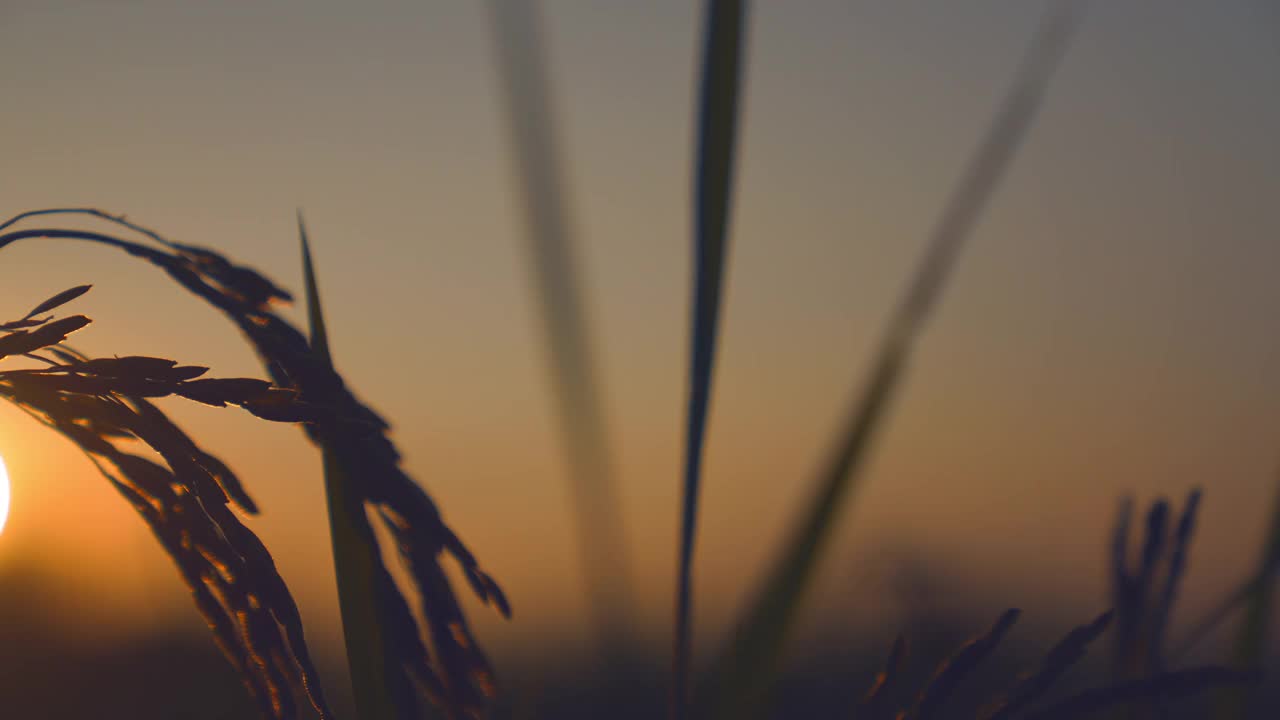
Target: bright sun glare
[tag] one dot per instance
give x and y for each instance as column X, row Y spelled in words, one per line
column 4, row 494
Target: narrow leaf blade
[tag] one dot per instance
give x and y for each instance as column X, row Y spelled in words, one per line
column 355, row 555
column 717, row 136
column 550, row 233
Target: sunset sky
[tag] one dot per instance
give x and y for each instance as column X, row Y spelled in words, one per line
column 1112, row 329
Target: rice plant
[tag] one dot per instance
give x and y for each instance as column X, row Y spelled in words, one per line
column 102, row 405
column 442, row 658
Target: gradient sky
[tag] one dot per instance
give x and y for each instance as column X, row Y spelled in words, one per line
column 1111, row 330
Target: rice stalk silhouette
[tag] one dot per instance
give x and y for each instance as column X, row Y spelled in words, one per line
column 442, row 658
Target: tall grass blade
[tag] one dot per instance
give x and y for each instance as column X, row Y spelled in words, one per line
column 717, row 134
column 746, row 670
column 355, row 555
column 597, row 509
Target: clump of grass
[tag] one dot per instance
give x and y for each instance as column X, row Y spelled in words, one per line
column 454, row 672
column 1144, row 593
column 1033, row 687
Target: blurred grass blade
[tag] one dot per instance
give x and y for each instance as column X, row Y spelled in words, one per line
column 355, row 555
column 745, row 672
column 1177, row 566
column 717, row 133
column 597, row 509
column 1251, row 642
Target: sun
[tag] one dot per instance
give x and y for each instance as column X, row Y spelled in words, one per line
column 4, row 494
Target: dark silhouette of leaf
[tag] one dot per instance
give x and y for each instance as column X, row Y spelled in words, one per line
column 129, row 366
column 722, row 60
column 874, row 705
column 21, row 324
column 1060, row 658
column 952, row 672
column 61, row 298
column 219, row 391
column 21, row 342
column 364, row 586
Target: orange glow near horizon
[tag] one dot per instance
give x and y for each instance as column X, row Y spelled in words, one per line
column 4, row 494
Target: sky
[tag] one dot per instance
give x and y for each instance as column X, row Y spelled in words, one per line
column 1110, row 330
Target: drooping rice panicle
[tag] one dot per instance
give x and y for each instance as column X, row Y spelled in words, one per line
column 185, row 499
column 334, row 418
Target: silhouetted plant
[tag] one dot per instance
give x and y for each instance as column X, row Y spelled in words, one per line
column 1144, row 594
column 1034, row 686
column 456, row 675
column 100, row 405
